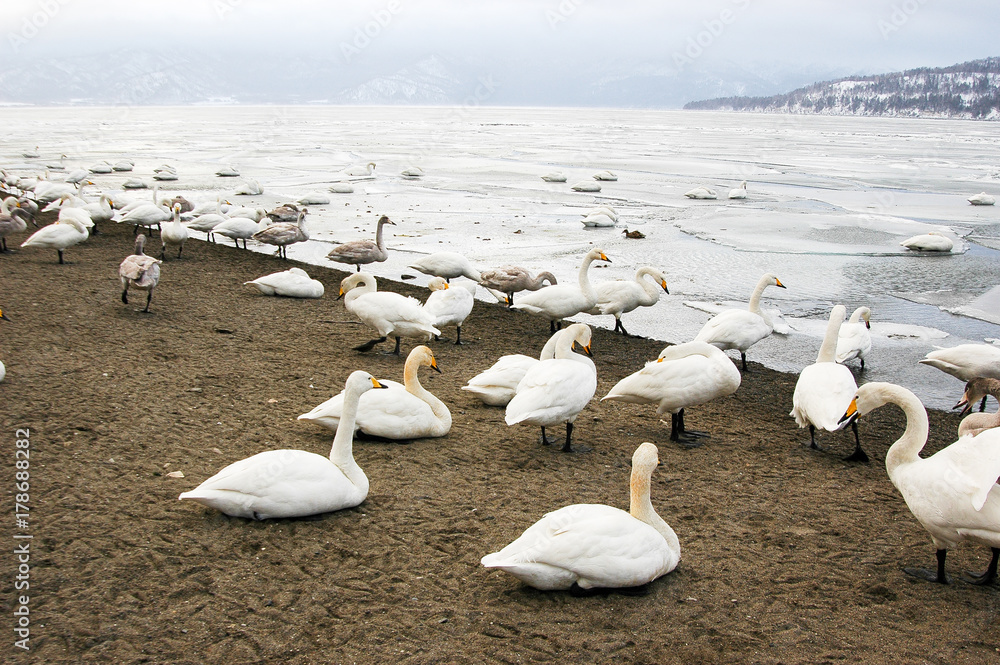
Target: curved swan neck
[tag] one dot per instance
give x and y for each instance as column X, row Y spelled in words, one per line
column 755, row 296
column 906, row 449
column 641, row 508
column 564, row 345
column 651, row 289
column 828, row 350
column 411, row 380
column 584, row 278
column 546, row 276
column 342, row 450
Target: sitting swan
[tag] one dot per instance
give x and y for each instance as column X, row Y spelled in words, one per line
column 561, row 301
column 291, row 283
column 606, row 175
column 450, row 306
column 683, row 375
column 362, row 252
column 389, row 313
column 555, row 176
column 953, row 493
column 294, row 483
column 929, row 242
column 358, row 170
column 982, row 199
column 496, row 386
column 739, row 192
column 825, row 390
column 622, row 296
column 401, row 412
column 556, row 391
column 976, row 390
column 703, row 193
column 741, row 328
column 596, row 546
column 855, row 341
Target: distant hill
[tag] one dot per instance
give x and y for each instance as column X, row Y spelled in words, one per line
column 967, row 90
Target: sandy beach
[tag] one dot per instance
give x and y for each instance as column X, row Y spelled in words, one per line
column 788, row 555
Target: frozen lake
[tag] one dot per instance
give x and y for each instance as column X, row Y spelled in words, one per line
column 829, row 200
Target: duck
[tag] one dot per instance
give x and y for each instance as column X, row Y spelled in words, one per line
column 634, row 235
column 855, row 341
column 555, row 176
column 294, row 483
column 291, row 283
column 606, row 176
column 966, row 361
column 682, row 376
column 622, row 296
column 283, row 235
column 59, row 236
column 739, row 192
column 586, row 187
column 389, row 313
column 12, row 220
column 450, row 306
column 555, row 391
column 825, row 389
column 982, row 199
column 596, row 546
column 561, row 301
column 362, row 252
column 401, row 412
column 975, row 390
column 703, row 193
column 173, row 234
column 140, row 272
column 513, row 279
column 359, row 170
column 929, row 242
column 738, row 328
column 953, row 493
column 446, row 265
column 496, row 386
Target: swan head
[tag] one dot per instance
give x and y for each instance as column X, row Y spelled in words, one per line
column 437, row 284
column 598, row 255
column 869, row 397
column 4, row 316
column 580, row 333
column 772, row 280
column 385, row 220
column 355, row 280
column 975, row 390
column 866, row 315
column 361, row 381
column 424, row 357
column 140, row 242
column 645, row 458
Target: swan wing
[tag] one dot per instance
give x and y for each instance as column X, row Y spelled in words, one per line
column 970, row 466
column 822, row 395
column 734, row 329
column 551, row 392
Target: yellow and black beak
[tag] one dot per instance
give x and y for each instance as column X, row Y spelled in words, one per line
column 4, row 316
column 777, row 282
column 663, row 283
column 586, row 350
column 604, row 257
column 434, row 366
column 376, row 384
column 852, row 413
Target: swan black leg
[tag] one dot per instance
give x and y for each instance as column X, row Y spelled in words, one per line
column 567, row 448
column 862, row 364
column 125, row 296
column 458, row 336
column 858, row 455
column 743, row 356
column 931, row 576
column 370, row 344
column 61, row 262
column 812, row 437
column 680, row 434
column 544, row 439
column 990, row 575
column 982, row 405
column 149, row 298
column 395, row 351
column 552, row 327
column 179, row 250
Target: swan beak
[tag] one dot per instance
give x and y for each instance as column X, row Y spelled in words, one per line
column 964, row 403
column 868, row 324
column 376, row 384
column 852, row 413
column 777, row 282
column 604, row 257
column 663, row 283
column 4, row 316
column 434, row 365
column 446, row 285
column 586, row 350
column 341, row 294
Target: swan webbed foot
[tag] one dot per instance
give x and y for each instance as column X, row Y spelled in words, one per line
column 458, row 336
column 369, row 345
column 989, row 575
column 858, row 455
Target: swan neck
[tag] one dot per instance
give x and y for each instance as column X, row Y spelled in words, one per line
column 651, row 289
column 411, row 380
column 641, row 508
column 755, row 296
column 378, row 236
column 907, row 448
column 584, row 278
column 543, row 277
column 828, row 350
column 342, row 451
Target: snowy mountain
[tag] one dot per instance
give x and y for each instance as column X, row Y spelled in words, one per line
column 967, row 90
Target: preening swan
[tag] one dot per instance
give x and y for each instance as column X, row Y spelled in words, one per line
column 622, row 296
column 228, row 172
column 953, row 493
column 362, row 252
column 294, row 483
column 825, row 390
column 740, row 329
column 596, row 546
column 249, row 187
column 929, row 242
column 446, row 265
column 66, row 232
column 586, row 187
column 496, row 386
column 450, row 305
column 555, row 176
column 412, row 173
column 511, row 279
column 389, row 313
column 605, row 175
column 855, row 341
column 976, row 390
column 701, row 193
column 554, row 391
column 739, row 192
column 401, row 412
column 173, row 234
column 982, row 199
column 683, row 375
column 284, row 235
column 561, row 301
column 598, row 220
column 291, row 283
column 139, row 272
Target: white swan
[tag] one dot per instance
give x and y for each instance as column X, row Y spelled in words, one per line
column 146, row 215
column 586, row 187
column 293, row 483
column 228, row 172
column 741, row 328
column 512, row 279
column 284, row 234
column 982, row 199
column 139, row 272
column 238, row 228
column 124, row 166
column 560, row 301
column 249, row 187
column 825, row 390
column 31, row 154
column 58, row 236
column 135, row 183
column 855, row 341
column 412, row 173
column 450, row 305
column 446, row 265
column 401, row 412
column 598, row 220
column 496, row 386
column 362, row 252
column 389, row 313
column 953, row 493
column 703, row 193
column 314, row 199
column 622, row 296
column 207, row 221
column 291, row 283
column 596, row 546
column 606, row 176
column 683, row 375
column 341, row 188
column 359, row 170
column 976, row 390
column 966, row 361
column 555, row 391
column 929, row 242
column 101, row 168
column 739, row 192
column 173, row 234
column 100, row 210
column 555, row 176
